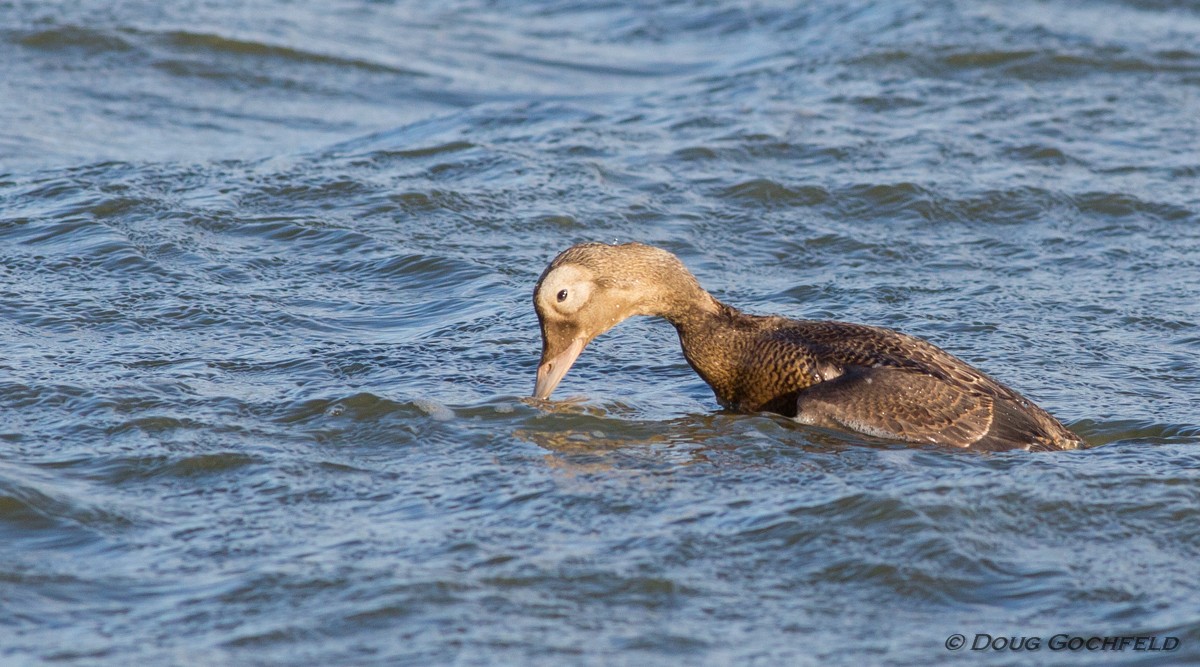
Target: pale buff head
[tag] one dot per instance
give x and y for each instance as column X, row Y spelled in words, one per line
column 591, row 287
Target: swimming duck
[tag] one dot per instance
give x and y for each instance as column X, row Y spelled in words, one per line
column 837, row 375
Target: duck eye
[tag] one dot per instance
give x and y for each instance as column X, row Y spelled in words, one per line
column 562, row 295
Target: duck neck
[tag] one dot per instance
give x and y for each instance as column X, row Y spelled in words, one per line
column 673, row 293
column 707, row 328
column 694, row 311
column 709, row 339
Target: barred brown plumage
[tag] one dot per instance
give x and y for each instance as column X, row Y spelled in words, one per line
column 866, row 379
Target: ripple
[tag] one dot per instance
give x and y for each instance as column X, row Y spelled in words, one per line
column 1042, row 154
column 45, row 515
column 138, row 469
column 384, row 156
column 218, row 44
column 766, row 192
column 362, row 406
column 1104, row 433
column 1121, row 205
column 1032, row 64
column 69, row 37
column 414, row 271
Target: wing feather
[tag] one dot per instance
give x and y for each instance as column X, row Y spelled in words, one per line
column 900, row 404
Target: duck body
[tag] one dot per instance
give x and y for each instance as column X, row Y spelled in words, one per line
column 839, row 375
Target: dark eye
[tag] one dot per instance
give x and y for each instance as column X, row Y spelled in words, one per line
column 562, row 295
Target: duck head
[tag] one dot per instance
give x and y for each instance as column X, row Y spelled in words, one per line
column 591, row 287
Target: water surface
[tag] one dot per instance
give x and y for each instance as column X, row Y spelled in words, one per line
column 265, row 277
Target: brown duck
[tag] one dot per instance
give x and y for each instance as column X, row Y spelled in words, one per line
column 837, row 375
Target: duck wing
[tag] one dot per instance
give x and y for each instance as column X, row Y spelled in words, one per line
column 844, row 344
column 912, row 406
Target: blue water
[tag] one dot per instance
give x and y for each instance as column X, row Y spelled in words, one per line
column 265, row 280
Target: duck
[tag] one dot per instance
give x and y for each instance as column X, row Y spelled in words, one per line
column 848, row 377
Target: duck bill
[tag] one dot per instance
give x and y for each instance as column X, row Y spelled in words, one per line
column 552, row 370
